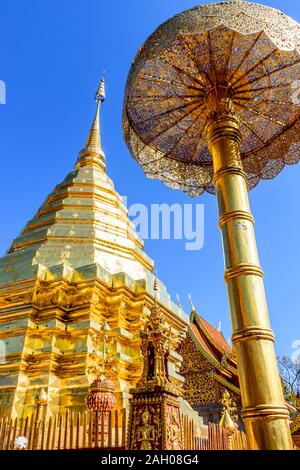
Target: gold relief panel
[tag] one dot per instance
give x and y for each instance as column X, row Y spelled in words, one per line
column 174, row 427
column 199, row 388
column 193, row 360
column 146, row 425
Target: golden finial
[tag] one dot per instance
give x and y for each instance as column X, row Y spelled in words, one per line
column 178, row 301
column 155, row 289
column 229, row 416
column 92, row 153
column 100, row 93
column 191, row 302
column 155, row 283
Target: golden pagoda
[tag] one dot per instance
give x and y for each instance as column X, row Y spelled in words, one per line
column 76, row 288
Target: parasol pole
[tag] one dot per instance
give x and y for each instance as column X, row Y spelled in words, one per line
column 264, row 410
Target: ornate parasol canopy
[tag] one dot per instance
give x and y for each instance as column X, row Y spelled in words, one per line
column 253, row 51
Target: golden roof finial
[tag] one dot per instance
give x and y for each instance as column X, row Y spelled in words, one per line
column 92, row 153
column 178, row 301
column 155, row 290
column 229, row 416
column 191, row 302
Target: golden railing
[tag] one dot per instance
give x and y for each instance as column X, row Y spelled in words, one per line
column 219, row 439
column 192, row 440
column 68, row 431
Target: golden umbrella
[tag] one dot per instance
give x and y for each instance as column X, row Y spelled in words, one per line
column 209, row 106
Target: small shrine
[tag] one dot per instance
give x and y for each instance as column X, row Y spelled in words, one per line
column 155, row 420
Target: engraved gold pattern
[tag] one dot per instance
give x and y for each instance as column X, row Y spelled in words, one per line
column 251, row 48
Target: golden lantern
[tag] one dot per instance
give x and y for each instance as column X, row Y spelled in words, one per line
column 210, row 106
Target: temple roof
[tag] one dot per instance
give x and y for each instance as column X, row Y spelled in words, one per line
column 214, row 335
column 212, row 344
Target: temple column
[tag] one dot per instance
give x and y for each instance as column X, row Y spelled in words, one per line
column 264, row 411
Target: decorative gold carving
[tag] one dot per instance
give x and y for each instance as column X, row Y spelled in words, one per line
column 146, row 428
column 103, row 356
column 146, row 433
column 49, row 293
column 174, row 432
column 219, row 105
column 229, row 417
column 154, row 420
column 153, row 405
column 158, row 339
column 201, row 379
column 198, row 387
column 250, row 47
column 229, row 405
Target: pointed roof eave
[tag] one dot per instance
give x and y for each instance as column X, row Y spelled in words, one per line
column 195, row 335
column 92, row 153
column 213, row 335
column 229, row 373
column 200, row 326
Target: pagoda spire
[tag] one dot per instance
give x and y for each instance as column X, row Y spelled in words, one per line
column 92, row 153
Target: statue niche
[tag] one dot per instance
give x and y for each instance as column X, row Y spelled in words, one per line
column 156, row 343
column 154, row 419
column 150, row 362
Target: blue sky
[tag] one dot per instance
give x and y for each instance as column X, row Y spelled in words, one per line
column 52, row 55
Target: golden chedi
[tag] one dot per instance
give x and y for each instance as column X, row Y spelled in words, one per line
column 77, row 265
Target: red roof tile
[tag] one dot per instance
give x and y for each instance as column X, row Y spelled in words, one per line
column 203, row 343
column 216, row 335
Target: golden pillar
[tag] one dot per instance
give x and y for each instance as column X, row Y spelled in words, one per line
column 264, row 411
